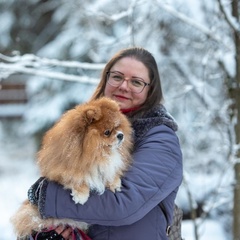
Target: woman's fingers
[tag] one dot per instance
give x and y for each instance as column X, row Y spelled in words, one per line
column 65, row 232
column 59, row 229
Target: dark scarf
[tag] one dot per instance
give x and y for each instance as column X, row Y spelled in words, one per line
column 157, row 115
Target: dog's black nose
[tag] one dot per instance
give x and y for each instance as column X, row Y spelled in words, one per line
column 120, row 136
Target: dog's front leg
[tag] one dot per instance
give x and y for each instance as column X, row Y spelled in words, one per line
column 80, row 194
column 115, row 185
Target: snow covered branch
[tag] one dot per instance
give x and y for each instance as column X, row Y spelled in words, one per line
column 32, row 59
column 194, row 84
column 230, row 19
column 33, row 65
column 116, row 17
column 208, row 32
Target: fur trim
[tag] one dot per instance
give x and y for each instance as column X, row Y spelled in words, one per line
column 155, row 116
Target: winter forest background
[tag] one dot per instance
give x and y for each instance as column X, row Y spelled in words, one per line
column 58, row 49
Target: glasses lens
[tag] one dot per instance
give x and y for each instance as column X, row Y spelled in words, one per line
column 115, row 79
column 136, row 85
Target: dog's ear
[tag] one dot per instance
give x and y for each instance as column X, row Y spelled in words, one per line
column 92, row 115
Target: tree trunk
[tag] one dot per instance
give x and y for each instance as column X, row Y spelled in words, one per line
column 236, row 98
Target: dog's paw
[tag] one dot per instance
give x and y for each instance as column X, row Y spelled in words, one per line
column 118, row 189
column 116, row 185
column 79, row 198
column 115, row 188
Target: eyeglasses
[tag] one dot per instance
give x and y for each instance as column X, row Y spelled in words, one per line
column 135, row 84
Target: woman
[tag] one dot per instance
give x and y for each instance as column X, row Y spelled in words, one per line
column 130, row 78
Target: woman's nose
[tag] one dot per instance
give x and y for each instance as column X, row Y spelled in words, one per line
column 124, row 85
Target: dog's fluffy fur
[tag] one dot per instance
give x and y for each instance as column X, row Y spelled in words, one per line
column 88, row 149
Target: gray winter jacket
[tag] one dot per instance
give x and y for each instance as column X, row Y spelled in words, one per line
column 133, row 213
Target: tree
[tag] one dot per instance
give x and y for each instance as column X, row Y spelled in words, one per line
column 233, row 84
column 234, row 93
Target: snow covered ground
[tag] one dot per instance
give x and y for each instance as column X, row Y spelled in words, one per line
column 18, row 171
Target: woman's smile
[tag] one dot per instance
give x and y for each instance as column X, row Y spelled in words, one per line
column 120, row 97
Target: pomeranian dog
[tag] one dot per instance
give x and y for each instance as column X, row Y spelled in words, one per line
column 89, row 148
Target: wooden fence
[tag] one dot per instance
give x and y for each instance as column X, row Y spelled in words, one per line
column 13, row 99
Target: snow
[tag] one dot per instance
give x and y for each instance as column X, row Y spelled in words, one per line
column 17, row 172
column 5, row 29
column 209, row 230
column 12, row 110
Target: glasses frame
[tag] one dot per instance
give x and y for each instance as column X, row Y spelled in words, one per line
column 140, row 79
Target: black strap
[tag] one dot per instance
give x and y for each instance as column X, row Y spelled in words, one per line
column 168, row 229
column 51, row 235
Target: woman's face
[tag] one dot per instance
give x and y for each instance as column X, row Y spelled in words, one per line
column 126, row 99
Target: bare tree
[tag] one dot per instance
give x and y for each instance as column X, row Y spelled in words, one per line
column 236, row 97
column 234, row 94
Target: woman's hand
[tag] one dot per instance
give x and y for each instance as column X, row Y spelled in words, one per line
column 65, row 232
column 59, row 233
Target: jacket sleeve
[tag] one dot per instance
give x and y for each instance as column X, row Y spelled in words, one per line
column 156, row 172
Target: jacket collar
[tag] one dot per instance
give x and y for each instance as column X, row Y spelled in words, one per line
column 157, row 115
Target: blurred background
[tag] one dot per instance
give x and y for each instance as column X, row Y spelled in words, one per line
column 51, row 56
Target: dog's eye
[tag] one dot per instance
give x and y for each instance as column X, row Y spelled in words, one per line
column 107, row 132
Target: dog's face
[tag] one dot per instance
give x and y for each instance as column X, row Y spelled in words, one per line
column 107, row 128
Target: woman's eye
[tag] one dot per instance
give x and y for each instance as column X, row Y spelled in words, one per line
column 136, row 82
column 117, row 78
column 107, row 132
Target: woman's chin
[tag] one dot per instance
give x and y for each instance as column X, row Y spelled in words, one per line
column 122, row 106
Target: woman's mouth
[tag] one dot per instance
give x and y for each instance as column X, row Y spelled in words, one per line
column 120, row 97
